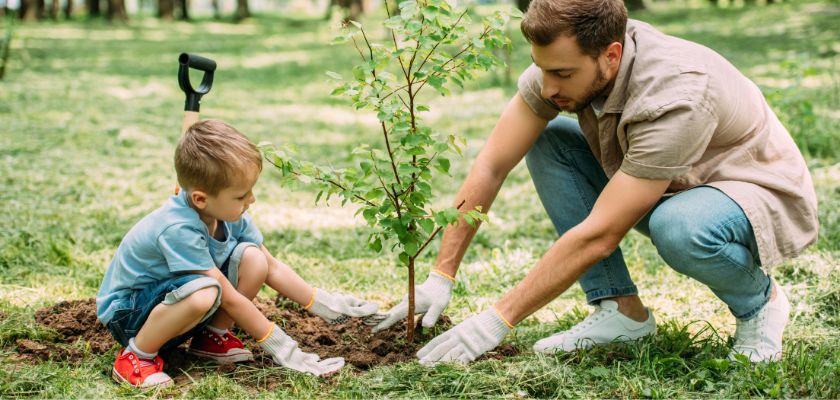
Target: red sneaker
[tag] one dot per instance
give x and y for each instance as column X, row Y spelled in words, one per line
column 139, row 372
column 223, row 349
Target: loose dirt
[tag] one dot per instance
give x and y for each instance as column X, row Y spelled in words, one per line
column 80, row 334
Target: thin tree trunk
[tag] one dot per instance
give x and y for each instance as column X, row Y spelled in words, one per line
column 5, row 48
column 217, row 12
column 54, row 6
column 409, row 322
column 166, row 9
column 94, row 8
column 27, row 10
column 242, row 10
column 68, row 9
column 116, row 10
column 185, row 9
column 41, row 7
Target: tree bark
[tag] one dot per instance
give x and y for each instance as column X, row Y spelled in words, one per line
column 217, row 11
column 409, row 321
column 41, row 8
column 166, row 9
column 28, row 10
column 242, row 10
column 185, row 7
column 68, row 9
column 634, row 5
column 94, row 8
column 116, row 10
column 54, row 6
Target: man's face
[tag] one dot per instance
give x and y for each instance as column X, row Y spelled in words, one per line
column 572, row 79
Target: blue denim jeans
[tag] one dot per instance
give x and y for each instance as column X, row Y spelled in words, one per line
column 135, row 310
column 700, row 232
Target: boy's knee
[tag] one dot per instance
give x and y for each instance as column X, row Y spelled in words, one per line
column 254, row 262
column 201, row 301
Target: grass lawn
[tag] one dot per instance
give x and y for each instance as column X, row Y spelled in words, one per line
column 90, row 114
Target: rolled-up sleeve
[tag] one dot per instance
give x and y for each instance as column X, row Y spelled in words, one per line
column 667, row 145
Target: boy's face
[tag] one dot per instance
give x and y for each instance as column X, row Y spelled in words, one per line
column 231, row 202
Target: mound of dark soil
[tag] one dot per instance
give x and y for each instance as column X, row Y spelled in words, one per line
column 79, row 333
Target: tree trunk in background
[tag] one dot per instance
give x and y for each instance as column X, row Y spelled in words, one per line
column 68, row 9
column 634, row 5
column 27, row 10
column 94, row 9
column 217, row 11
column 54, row 6
column 522, row 5
column 185, row 7
column 116, row 10
column 714, row 3
column 166, row 9
column 242, row 11
column 41, row 9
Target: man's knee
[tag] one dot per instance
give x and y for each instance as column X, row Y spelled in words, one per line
column 680, row 240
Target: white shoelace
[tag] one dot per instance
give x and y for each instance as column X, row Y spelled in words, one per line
column 589, row 321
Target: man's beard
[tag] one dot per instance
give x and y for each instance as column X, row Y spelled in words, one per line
column 595, row 90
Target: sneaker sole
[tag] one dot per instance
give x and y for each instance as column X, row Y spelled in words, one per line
column 223, row 358
column 119, row 378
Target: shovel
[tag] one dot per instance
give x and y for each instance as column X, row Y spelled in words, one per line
column 193, row 100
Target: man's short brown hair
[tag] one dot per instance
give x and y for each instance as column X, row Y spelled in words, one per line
column 212, row 154
column 595, row 24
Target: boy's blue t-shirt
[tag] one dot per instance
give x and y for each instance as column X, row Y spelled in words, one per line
column 171, row 240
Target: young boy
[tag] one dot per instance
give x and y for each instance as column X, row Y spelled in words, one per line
column 191, row 268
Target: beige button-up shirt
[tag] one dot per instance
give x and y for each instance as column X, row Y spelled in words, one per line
column 680, row 111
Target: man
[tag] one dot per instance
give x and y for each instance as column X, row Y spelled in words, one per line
column 670, row 139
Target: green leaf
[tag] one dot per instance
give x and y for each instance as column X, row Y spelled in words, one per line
column 442, row 165
column 422, row 107
column 334, row 75
column 428, row 225
column 403, row 258
column 376, row 245
column 359, row 73
column 337, row 91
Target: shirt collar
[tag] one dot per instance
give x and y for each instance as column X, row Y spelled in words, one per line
column 618, row 94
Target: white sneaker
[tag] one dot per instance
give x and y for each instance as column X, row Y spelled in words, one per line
column 760, row 338
column 604, row 325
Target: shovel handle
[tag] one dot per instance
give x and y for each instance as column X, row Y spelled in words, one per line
column 193, row 95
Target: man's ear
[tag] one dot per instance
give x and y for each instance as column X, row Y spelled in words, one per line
column 198, row 199
column 612, row 54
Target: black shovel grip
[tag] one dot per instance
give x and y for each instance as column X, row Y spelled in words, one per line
column 207, row 65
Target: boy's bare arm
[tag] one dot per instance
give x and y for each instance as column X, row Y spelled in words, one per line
column 243, row 312
column 286, row 281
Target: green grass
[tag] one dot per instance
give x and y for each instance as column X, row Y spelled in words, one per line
column 90, row 112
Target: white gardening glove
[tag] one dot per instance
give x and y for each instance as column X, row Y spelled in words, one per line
column 466, row 341
column 337, row 308
column 430, row 298
column 284, row 350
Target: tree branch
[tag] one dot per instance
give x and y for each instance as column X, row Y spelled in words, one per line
column 330, row 182
column 432, row 236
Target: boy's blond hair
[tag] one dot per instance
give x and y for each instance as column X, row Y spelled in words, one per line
column 212, row 154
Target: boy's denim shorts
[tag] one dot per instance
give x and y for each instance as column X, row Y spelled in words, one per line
column 135, row 309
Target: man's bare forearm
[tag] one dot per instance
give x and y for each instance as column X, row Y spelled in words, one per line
column 555, row 272
column 479, row 190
